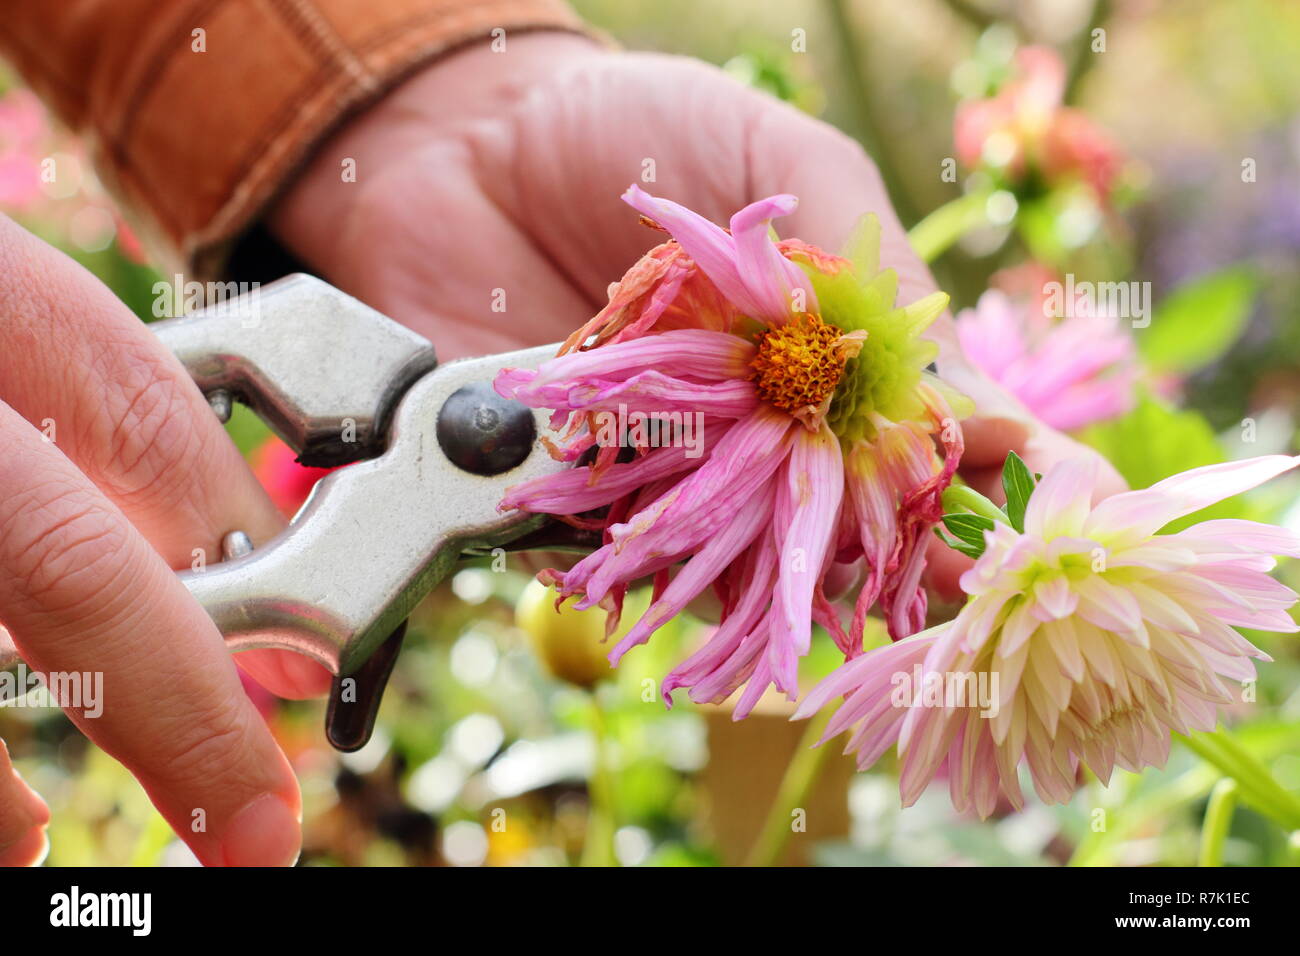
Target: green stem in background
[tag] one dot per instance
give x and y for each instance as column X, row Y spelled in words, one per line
column 1293, row 849
column 972, row 14
column 936, row 233
column 795, row 785
column 958, row 498
column 1081, row 59
column 878, row 142
column 598, row 844
column 1258, row 788
column 1218, row 821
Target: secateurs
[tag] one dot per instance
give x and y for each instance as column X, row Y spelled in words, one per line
column 432, row 449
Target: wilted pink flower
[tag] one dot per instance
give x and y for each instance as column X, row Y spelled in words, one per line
column 818, row 424
column 1095, row 635
column 1024, row 125
column 1069, row 372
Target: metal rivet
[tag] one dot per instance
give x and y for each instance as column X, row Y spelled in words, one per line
column 222, row 404
column 235, row 544
column 484, row 433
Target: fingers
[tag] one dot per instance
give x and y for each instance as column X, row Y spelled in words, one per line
column 85, row 597
column 23, row 818
column 942, row 578
column 837, row 184
column 1046, row 446
column 102, row 388
column 405, row 211
column 435, row 185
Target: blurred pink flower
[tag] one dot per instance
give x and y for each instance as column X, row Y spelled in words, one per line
column 1025, row 126
column 1069, row 372
column 1093, row 637
column 287, row 482
column 24, row 130
column 1076, row 147
column 817, row 445
column 65, row 198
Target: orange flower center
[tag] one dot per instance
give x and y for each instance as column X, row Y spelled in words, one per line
column 799, row 364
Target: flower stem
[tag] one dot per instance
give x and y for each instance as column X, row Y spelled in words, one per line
column 963, row 497
column 881, row 143
column 935, row 234
column 1257, row 786
column 798, row 780
column 1218, row 820
column 598, row 843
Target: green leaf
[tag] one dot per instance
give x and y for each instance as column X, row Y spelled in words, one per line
column 970, row 550
column 1198, row 321
column 1018, row 483
column 969, row 532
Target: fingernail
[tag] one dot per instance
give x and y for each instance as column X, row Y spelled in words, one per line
column 264, row 833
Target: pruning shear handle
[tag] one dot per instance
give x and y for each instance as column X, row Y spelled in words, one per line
column 432, row 451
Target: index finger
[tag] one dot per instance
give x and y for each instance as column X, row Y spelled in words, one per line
column 84, row 595
column 124, row 409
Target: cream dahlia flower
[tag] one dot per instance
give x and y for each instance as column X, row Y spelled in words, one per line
column 1094, row 635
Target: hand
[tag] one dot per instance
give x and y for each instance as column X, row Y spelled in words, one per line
column 129, row 472
column 503, row 171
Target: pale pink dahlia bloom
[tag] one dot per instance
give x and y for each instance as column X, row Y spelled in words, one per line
column 1103, row 637
column 819, row 442
column 1070, row 372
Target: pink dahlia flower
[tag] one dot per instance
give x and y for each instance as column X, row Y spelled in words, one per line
column 818, row 427
column 1069, row 372
column 1093, row 636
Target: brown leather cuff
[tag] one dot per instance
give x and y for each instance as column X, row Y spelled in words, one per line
column 200, row 142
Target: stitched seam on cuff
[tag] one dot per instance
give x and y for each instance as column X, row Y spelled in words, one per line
column 319, row 35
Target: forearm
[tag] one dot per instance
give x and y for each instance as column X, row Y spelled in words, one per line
column 204, row 112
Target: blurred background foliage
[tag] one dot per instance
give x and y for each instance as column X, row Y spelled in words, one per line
column 1172, row 157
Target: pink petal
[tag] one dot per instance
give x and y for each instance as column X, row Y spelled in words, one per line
column 1232, row 535
column 770, row 276
column 751, row 279
column 701, row 570
column 1135, row 515
column 702, row 503
column 572, row 492
column 1061, row 501
column 712, row 356
column 807, row 503
column 715, row 670
column 846, row 678
column 654, row 393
